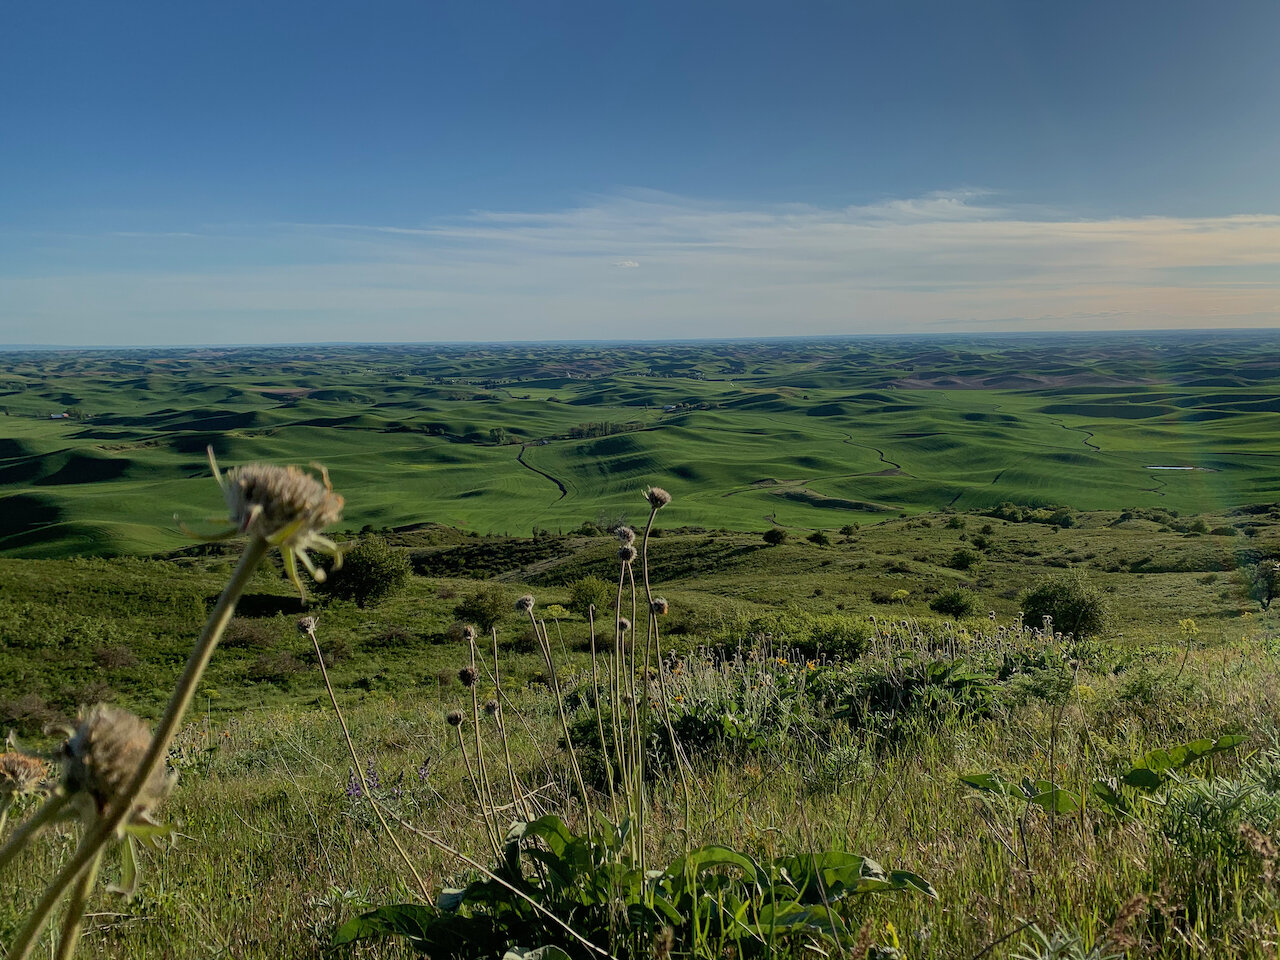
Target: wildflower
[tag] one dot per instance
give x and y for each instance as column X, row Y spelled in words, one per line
column 626, row 553
column 371, row 776
column 659, row 606
column 354, row 790
column 307, row 626
column 468, row 676
column 424, row 770
column 285, row 507
column 525, row 603
column 624, row 624
column 468, row 632
column 490, row 707
column 453, row 718
column 20, row 774
column 657, row 497
column 625, row 535
column 102, row 756
column 812, row 664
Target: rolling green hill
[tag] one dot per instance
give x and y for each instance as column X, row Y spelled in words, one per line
column 804, row 434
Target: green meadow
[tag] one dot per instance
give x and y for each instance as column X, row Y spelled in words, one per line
column 802, row 434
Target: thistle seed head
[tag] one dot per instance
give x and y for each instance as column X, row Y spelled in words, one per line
column 453, row 718
column 624, row 624
column 525, row 603
column 285, row 507
column 625, row 535
column 657, row 497
column 490, row 707
column 468, row 676
column 307, row 626
column 20, row 774
column 468, row 633
column 274, row 501
column 659, row 606
column 103, row 755
column 626, row 553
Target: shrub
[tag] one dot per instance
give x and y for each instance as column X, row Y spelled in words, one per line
column 1262, row 582
column 485, row 608
column 952, row 603
column 370, row 572
column 775, row 536
column 820, row 538
column 1076, row 605
column 590, row 592
column 962, row 559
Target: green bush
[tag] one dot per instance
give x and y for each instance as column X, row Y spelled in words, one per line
column 820, row 538
column 485, row 608
column 775, row 536
column 1076, row 605
column 952, row 603
column 962, row 559
column 371, row 571
column 588, row 592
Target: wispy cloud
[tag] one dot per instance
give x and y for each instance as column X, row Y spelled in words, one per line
column 961, row 260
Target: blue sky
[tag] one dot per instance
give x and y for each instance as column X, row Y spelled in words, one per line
column 267, row 172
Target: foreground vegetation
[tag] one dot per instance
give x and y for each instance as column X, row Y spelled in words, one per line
column 1028, row 793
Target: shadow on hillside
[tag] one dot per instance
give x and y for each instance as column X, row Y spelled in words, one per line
column 266, row 605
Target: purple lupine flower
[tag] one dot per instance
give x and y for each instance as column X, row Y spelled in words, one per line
column 371, row 776
column 354, row 792
column 423, row 771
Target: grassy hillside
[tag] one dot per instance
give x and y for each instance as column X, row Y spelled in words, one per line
column 856, row 710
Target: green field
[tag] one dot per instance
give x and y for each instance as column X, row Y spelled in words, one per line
column 804, row 434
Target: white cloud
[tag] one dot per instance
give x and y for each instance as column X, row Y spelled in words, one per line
column 944, row 261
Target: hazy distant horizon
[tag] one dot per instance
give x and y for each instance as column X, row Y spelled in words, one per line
column 1168, row 332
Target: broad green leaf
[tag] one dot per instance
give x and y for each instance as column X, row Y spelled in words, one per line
column 548, row 952
column 406, row 920
column 994, row 783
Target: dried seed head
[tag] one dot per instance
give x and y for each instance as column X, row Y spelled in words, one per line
column 468, row 632
column 468, row 676
column 659, row 606
column 274, row 501
column 20, row 774
column 624, row 624
column 490, row 707
column 104, row 754
column 453, row 718
column 525, row 603
column 307, row 625
column 626, row 553
column 657, row 497
column 285, row 507
column 625, row 535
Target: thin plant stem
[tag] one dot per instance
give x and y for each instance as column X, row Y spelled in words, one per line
column 595, row 689
column 545, row 643
column 73, row 922
column 359, row 770
column 27, row 830
column 105, row 829
column 662, row 681
column 487, row 803
column 517, row 791
column 475, row 785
